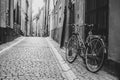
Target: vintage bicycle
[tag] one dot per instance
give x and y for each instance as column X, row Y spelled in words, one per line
column 92, row 50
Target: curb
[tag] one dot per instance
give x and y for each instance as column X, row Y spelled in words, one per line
column 66, row 70
column 7, row 48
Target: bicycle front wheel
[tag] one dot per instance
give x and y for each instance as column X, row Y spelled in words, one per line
column 95, row 54
column 71, row 50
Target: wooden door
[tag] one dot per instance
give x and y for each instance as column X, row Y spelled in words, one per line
column 96, row 12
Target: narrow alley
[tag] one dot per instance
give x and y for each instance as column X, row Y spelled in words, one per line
column 59, row 39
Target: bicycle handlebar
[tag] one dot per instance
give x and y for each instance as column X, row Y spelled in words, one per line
column 89, row 25
column 84, row 25
column 77, row 27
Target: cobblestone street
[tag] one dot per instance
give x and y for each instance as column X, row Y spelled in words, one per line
column 30, row 59
column 33, row 58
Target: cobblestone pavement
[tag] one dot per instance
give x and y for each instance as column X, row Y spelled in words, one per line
column 31, row 59
column 3, row 46
column 78, row 67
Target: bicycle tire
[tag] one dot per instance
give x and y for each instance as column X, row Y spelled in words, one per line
column 70, row 45
column 92, row 56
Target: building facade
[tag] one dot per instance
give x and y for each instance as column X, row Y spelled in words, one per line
column 7, row 18
column 39, row 23
column 6, row 13
column 47, row 17
column 29, row 18
column 51, row 21
column 57, row 19
column 15, row 15
column 26, row 17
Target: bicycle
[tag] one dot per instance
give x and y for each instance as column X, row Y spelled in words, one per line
column 92, row 50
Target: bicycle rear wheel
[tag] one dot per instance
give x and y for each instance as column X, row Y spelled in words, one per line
column 95, row 55
column 71, row 50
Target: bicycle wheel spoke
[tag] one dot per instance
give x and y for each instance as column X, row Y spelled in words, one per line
column 93, row 64
column 98, row 60
column 91, row 61
column 72, row 49
column 95, row 55
column 98, row 46
column 94, row 46
column 89, row 55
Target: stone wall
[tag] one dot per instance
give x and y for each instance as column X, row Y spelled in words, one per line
column 114, row 30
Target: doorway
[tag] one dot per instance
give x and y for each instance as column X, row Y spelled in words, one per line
column 96, row 12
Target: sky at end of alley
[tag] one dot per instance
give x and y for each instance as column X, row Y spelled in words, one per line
column 36, row 5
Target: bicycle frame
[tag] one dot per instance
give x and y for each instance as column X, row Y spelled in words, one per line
column 81, row 43
column 86, row 49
